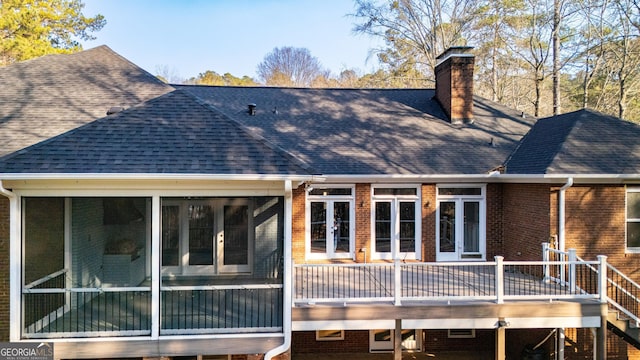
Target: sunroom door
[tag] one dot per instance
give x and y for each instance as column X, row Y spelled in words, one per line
column 234, row 238
column 460, row 232
column 206, row 236
column 188, row 237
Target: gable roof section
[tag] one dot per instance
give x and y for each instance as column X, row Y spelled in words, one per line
column 580, row 142
column 50, row 95
column 372, row 131
column 171, row 134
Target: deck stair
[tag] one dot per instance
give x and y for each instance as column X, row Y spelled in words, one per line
column 623, row 298
column 624, row 327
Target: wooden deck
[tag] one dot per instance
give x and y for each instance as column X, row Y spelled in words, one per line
column 188, row 308
column 443, row 296
column 374, row 283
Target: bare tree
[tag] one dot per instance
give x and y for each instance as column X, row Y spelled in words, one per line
column 416, row 31
column 290, row 66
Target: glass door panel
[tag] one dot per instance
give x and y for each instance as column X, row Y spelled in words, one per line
column 234, row 239
column 318, row 227
column 170, row 235
column 383, row 227
column 447, row 243
column 407, row 226
column 236, row 235
column 471, row 243
column 200, row 235
column 341, row 227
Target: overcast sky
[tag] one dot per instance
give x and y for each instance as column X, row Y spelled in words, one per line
column 189, row 37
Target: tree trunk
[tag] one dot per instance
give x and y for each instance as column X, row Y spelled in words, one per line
column 536, row 102
column 622, row 107
column 556, row 57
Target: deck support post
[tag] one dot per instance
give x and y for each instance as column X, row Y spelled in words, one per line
column 500, row 349
column 560, row 344
column 397, row 283
column 499, row 279
column 397, row 341
column 601, row 332
column 601, row 338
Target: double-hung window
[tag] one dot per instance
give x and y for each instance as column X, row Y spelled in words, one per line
column 633, row 219
column 330, row 222
column 396, row 222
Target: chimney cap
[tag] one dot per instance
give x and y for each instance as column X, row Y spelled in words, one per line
column 455, row 50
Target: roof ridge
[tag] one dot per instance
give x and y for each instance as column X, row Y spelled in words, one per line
column 104, row 47
column 252, row 134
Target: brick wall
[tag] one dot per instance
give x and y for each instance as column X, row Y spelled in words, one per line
column 596, row 223
column 363, row 221
column 438, row 340
column 454, row 87
column 297, row 225
column 4, row 269
column 526, row 220
column 429, row 222
column 494, row 231
column 354, row 342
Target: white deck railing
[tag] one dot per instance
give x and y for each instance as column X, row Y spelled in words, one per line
column 621, row 292
column 400, row 282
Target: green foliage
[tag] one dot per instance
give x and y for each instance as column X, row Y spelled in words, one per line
column 32, row 28
column 213, row 78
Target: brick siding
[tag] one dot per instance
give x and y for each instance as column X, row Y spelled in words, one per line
column 429, row 222
column 526, row 221
column 354, row 342
column 454, row 87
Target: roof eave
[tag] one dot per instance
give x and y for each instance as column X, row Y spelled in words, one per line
column 492, row 177
column 167, row 176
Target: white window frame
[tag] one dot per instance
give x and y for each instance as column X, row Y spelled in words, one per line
column 217, row 267
column 461, row 333
column 327, row 335
column 351, row 199
column 459, row 199
column 630, row 189
column 386, row 346
column 395, row 241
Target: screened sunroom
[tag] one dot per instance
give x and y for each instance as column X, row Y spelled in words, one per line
column 113, row 266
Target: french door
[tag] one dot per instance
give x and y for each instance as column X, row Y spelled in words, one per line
column 206, row 236
column 460, row 233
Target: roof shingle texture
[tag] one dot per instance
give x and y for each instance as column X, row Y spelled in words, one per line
column 579, row 142
column 368, row 131
column 174, row 133
column 47, row 96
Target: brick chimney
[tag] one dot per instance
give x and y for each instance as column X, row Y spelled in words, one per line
column 454, row 83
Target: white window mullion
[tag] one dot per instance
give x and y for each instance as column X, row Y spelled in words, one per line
column 395, row 229
column 330, row 233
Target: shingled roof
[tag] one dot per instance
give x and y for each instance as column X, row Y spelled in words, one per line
column 579, row 142
column 174, row 133
column 367, row 131
column 301, row 131
column 47, row 96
